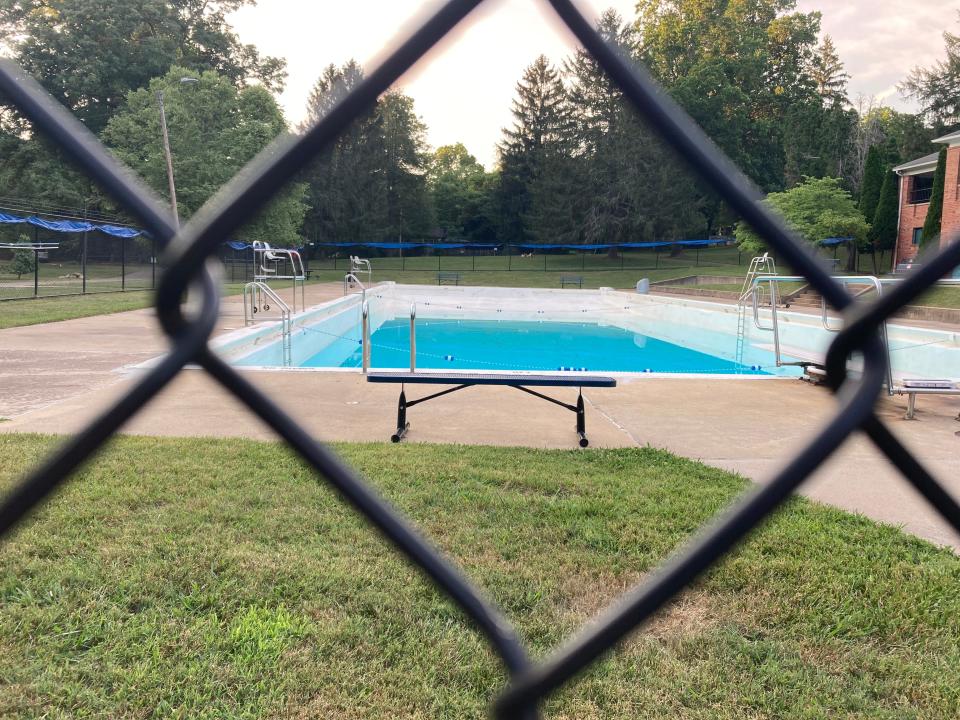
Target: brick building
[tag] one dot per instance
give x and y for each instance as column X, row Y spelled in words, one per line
column 916, row 187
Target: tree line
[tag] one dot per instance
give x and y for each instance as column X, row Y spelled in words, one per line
column 576, row 165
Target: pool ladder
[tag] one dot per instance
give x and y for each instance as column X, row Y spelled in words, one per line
column 760, row 266
column 755, row 291
column 257, row 296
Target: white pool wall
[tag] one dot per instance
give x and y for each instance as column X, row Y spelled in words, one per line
column 704, row 326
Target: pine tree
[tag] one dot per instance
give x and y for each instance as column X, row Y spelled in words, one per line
column 22, row 260
column 873, row 176
column 532, row 157
column 370, row 184
column 883, row 231
column 629, row 186
column 829, row 74
column 931, row 226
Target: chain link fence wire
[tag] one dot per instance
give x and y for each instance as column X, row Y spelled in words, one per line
column 186, row 255
column 76, row 264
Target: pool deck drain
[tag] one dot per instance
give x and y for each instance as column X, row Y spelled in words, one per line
column 56, row 377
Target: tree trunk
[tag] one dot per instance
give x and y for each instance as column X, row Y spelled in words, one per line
column 852, row 257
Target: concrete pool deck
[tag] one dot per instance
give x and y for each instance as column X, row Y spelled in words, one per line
column 55, row 378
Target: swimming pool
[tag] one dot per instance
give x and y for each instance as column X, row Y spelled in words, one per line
column 550, row 330
column 511, row 345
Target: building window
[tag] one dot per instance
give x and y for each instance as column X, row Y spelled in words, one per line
column 921, row 188
column 917, row 232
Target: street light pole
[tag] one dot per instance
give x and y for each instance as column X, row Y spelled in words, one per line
column 166, row 152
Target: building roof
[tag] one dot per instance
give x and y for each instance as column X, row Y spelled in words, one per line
column 950, row 139
column 927, row 162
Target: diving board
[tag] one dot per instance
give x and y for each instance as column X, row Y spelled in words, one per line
column 520, row 381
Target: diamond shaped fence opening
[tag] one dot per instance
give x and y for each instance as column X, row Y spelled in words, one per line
column 188, row 251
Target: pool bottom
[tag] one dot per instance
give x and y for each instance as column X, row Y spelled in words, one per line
column 518, row 346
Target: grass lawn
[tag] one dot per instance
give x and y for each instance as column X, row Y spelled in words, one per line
column 217, row 578
column 621, row 279
column 946, row 297
column 16, row 313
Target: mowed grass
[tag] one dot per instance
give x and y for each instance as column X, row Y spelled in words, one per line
column 620, row 279
column 945, row 297
column 220, row 579
column 16, row 313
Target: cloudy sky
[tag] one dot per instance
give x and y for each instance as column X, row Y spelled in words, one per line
column 464, row 88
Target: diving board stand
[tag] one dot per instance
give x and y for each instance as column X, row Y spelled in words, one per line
column 522, row 382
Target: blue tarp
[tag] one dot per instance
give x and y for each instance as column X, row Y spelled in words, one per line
column 835, row 241
column 634, row 245
column 71, row 226
column 412, row 245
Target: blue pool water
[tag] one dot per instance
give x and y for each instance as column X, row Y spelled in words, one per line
column 493, row 345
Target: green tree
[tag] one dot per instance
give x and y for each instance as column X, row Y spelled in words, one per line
column 91, row 53
column 22, row 260
column 345, row 184
column 898, row 136
column 816, row 209
column 455, row 178
column 403, row 139
column 533, row 159
column 883, row 231
column 931, row 226
column 215, row 129
column 739, row 67
column 873, row 177
column 829, row 74
column 937, row 87
column 628, row 186
column 371, row 183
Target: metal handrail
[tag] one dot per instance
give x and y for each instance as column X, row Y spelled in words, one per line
column 263, row 253
column 824, row 319
column 365, row 336
column 251, row 301
column 413, row 337
column 350, row 277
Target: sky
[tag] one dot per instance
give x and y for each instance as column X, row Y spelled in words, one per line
column 463, row 89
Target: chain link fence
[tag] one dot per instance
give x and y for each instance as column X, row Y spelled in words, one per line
column 73, row 263
column 321, row 258
column 187, row 253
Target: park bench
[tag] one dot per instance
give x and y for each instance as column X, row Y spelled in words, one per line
column 446, row 278
column 571, row 280
column 461, row 380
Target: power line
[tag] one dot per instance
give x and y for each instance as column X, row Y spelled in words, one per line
column 33, row 206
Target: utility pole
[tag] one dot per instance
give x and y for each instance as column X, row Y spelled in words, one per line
column 166, row 152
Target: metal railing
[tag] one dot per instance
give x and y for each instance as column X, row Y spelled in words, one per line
column 365, row 346
column 253, row 302
column 348, row 281
column 845, row 280
column 529, row 681
column 920, row 196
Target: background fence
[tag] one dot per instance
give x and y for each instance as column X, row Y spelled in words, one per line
column 87, row 262
column 511, row 258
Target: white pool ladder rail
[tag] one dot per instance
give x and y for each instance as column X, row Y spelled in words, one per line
column 760, row 266
column 257, row 296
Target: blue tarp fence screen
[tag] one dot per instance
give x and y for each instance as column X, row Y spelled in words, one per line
column 522, row 246
column 71, row 226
